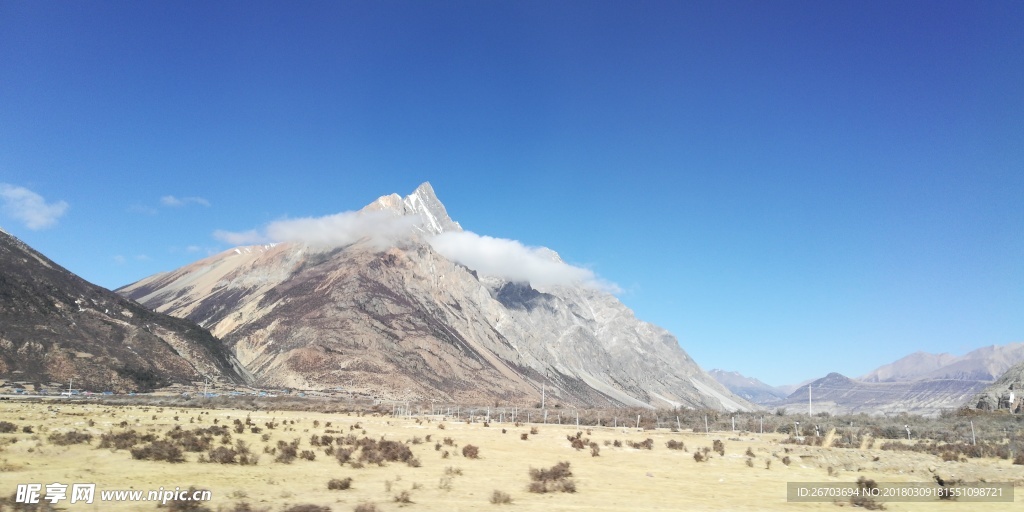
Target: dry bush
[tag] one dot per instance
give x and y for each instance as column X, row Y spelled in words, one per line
column 160, row 450
column 307, row 455
column 365, row 507
column 557, row 478
column 718, row 446
column 524, row 436
column 675, row 445
column 242, row 507
column 403, row 497
column 646, row 444
column 750, row 452
column 7, row 427
column 186, row 504
column 307, row 507
column 124, row 440
column 699, row 457
column 595, row 450
column 863, row 499
column 68, row 438
column 287, row 452
column 336, row 484
column 534, row 430
column 786, row 460
column 500, row 498
column 241, row 455
column 471, row 452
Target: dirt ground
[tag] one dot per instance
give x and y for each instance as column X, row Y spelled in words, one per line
column 619, row 479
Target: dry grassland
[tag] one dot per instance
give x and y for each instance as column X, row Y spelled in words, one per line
column 617, row 479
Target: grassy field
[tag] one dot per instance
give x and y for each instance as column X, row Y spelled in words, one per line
column 434, row 474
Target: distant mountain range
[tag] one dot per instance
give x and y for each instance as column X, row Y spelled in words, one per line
column 920, row 383
column 55, row 327
column 748, row 387
column 400, row 311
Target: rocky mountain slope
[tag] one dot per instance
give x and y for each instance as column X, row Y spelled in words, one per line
column 386, row 313
column 920, row 383
column 838, row 394
column 55, row 326
column 983, row 364
column 748, row 387
column 1007, row 392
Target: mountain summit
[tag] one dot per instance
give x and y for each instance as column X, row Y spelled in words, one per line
column 426, row 317
column 423, row 204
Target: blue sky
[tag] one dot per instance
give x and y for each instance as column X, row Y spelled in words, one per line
column 791, row 188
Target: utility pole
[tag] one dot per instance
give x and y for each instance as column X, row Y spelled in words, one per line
column 809, row 388
column 72, row 379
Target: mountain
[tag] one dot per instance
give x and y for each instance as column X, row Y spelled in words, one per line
column 748, row 387
column 383, row 311
column 55, row 326
column 1007, row 392
column 983, row 364
column 838, row 394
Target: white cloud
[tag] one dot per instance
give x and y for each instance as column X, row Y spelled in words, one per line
column 182, row 201
column 381, row 228
column 511, row 260
column 499, row 257
column 29, row 207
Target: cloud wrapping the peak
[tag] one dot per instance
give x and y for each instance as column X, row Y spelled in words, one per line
column 381, row 228
column 498, row 257
column 30, row 207
column 513, row 261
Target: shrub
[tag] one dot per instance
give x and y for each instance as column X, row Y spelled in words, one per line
column 595, row 450
column 864, row 499
column 471, row 452
column 307, row 455
column 403, row 497
column 159, row 450
column 238, row 455
column 699, row 457
column 786, row 460
column 718, row 446
column 67, row 438
column 7, row 427
column 1019, row 459
column 556, row 478
column 643, row 445
column 185, row 504
column 534, row 431
column 287, row 452
column 675, row 445
column 524, row 436
column 120, row 440
column 339, row 484
column 306, row 507
column 365, row 507
column 500, row 498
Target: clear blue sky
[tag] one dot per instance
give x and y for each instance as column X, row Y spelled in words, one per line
column 792, row 188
